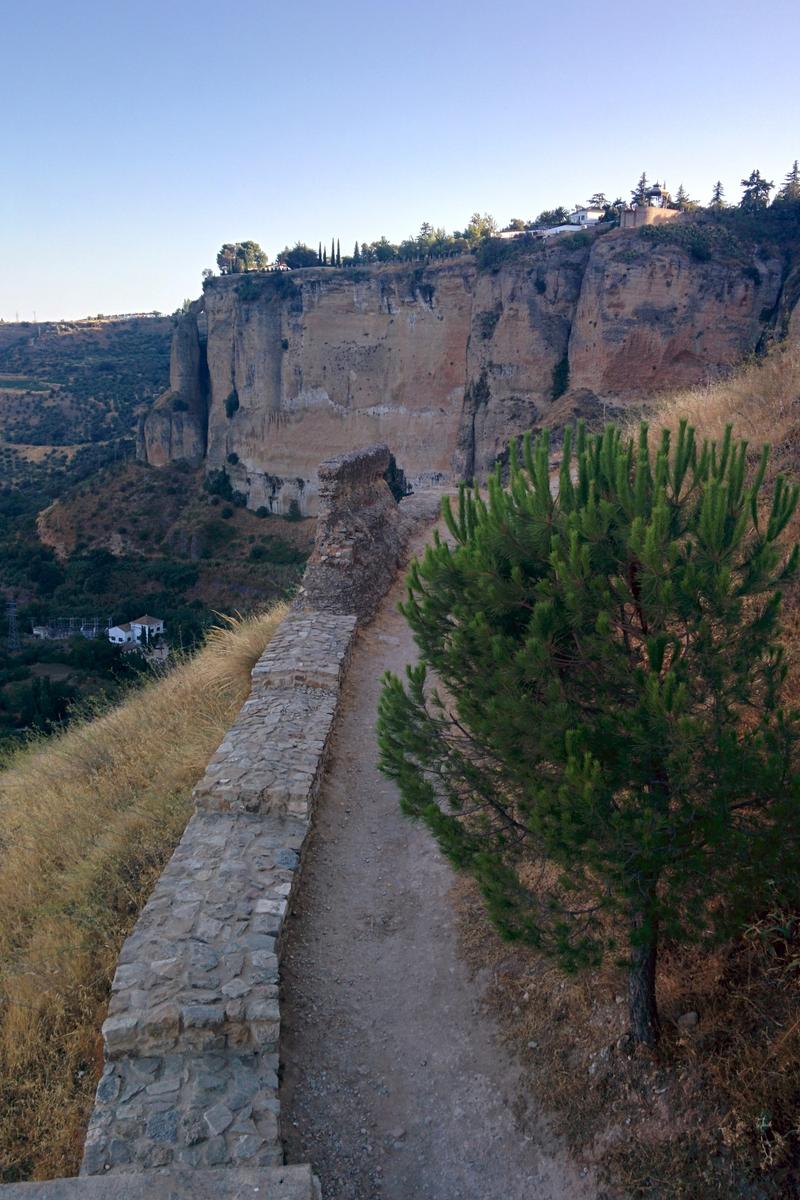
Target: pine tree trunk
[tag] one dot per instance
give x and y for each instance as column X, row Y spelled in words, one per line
column 642, row 1007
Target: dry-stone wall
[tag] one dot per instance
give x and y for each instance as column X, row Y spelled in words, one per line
column 190, row 1083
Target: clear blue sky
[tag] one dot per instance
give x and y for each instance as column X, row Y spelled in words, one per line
column 138, row 135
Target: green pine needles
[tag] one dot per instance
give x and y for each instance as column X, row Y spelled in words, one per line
column 605, row 748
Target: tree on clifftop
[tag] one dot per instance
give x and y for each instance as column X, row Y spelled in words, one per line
column 718, row 198
column 299, row 255
column 756, row 192
column 639, row 193
column 608, row 754
column 791, row 184
column 237, row 257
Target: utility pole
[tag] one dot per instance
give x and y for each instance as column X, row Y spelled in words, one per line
column 13, row 627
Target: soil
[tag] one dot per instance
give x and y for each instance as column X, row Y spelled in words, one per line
column 396, row 1084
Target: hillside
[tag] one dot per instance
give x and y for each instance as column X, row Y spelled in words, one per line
column 125, row 541
column 447, row 360
column 71, row 393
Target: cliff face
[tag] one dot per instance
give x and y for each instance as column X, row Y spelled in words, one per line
column 446, row 362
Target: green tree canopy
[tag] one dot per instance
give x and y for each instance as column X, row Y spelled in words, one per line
column 605, row 747
column 299, row 255
column 718, row 197
column 639, row 193
column 237, row 257
column 553, row 216
column 790, row 189
column 756, row 192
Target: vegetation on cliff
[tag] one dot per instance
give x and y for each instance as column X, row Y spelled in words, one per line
column 87, row 822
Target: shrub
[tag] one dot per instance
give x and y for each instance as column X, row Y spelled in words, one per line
column 232, row 404
column 619, row 765
column 226, row 512
column 233, row 458
column 293, row 512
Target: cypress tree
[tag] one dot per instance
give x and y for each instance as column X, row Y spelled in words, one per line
column 319, row 254
column 325, row 257
column 338, row 254
column 356, row 254
column 609, row 756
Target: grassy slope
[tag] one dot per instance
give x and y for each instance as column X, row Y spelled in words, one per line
column 718, row 1114
column 87, row 822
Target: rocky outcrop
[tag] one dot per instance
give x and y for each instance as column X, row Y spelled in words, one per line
column 446, row 362
column 176, row 427
column 360, row 535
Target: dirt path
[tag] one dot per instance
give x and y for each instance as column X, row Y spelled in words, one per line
column 396, row 1087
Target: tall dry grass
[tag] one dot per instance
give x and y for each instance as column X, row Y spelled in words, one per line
column 87, row 821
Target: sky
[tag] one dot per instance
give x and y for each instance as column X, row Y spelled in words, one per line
column 139, row 135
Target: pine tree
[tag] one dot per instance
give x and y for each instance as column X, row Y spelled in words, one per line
column 682, row 199
column 756, row 192
column 356, row 254
column 338, row 254
column 609, row 756
column 639, row 194
column 718, row 197
column 791, row 184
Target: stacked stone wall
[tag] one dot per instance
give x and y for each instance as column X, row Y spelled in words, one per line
column 190, row 1082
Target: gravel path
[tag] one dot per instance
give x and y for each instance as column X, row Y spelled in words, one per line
column 396, row 1087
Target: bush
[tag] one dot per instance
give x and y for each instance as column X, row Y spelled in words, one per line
column 232, row 404
column 619, row 765
column 293, row 512
column 226, row 512
column 233, row 458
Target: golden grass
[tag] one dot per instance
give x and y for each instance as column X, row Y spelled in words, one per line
column 87, row 821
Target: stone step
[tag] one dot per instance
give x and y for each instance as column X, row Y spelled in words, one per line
column 200, row 970
column 226, row 1183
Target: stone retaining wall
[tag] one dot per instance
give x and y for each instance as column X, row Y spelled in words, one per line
column 191, row 1039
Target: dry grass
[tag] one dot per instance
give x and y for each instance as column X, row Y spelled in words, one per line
column 87, row 822
column 717, row 1114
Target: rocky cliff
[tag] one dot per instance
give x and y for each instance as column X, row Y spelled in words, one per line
column 446, row 362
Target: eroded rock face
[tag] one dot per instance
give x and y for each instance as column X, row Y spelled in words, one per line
column 649, row 317
column 445, row 363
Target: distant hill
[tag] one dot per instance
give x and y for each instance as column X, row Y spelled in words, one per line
column 71, row 393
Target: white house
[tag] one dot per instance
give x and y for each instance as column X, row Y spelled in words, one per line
column 586, row 216
column 146, row 628
column 139, row 632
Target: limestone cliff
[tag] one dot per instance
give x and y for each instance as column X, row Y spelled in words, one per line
column 445, row 362
column 176, row 427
